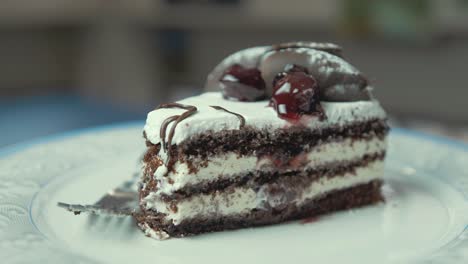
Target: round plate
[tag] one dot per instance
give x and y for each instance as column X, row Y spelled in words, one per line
column 425, row 216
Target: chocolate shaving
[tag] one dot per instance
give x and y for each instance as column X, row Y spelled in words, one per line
column 241, row 118
column 177, row 119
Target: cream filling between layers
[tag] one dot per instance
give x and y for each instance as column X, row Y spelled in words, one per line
column 243, row 199
column 230, row 164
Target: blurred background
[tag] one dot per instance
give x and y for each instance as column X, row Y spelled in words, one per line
column 67, row 64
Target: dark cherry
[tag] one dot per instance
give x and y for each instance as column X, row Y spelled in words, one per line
column 243, row 84
column 296, row 94
column 295, row 68
column 289, row 68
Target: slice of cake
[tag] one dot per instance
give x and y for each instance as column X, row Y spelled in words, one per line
column 293, row 132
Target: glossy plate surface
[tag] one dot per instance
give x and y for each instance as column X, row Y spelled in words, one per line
column 425, row 217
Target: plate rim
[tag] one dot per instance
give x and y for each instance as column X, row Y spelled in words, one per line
column 18, row 148
column 24, row 145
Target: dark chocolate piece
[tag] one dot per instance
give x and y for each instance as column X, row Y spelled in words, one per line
column 241, row 118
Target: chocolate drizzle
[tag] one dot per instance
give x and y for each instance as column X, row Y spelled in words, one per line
column 166, row 145
column 177, row 119
column 162, row 131
column 241, row 118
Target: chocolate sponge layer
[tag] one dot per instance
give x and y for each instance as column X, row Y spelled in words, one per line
column 289, row 142
column 257, row 178
column 356, row 196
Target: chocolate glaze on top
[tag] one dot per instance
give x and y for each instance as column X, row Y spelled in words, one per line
column 338, row 80
column 241, row 117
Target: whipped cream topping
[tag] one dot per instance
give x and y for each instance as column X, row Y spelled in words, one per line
column 257, row 114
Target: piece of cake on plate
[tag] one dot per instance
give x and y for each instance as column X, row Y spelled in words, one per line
column 291, row 132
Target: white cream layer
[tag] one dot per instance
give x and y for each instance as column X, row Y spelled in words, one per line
column 256, row 114
column 243, row 199
column 229, row 164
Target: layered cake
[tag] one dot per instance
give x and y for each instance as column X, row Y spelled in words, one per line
column 290, row 131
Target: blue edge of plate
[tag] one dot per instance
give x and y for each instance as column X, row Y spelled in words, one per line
column 12, row 149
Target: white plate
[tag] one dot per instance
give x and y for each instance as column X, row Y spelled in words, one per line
column 424, row 219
